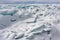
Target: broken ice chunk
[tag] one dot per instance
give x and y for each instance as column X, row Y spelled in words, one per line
column 19, row 35
column 8, row 12
column 13, row 20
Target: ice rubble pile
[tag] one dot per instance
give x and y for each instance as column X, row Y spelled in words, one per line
column 37, row 22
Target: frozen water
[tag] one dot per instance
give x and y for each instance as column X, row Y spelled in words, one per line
column 30, row 22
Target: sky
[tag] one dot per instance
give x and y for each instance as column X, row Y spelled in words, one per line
column 16, row 1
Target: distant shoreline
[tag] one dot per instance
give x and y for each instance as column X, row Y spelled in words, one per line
column 32, row 2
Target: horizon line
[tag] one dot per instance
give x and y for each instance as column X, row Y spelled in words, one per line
column 32, row 2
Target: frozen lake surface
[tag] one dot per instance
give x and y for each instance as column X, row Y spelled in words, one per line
column 29, row 21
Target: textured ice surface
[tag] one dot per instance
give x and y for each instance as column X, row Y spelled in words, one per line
column 29, row 22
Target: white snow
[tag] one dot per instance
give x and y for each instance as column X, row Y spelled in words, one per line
column 37, row 22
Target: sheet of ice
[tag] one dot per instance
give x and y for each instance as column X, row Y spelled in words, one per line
column 30, row 22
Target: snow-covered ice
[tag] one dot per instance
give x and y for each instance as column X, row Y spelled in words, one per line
column 29, row 21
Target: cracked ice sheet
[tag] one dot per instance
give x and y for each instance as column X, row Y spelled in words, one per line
column 30, row 22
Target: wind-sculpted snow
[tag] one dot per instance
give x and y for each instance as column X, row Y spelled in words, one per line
column 30, row 21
